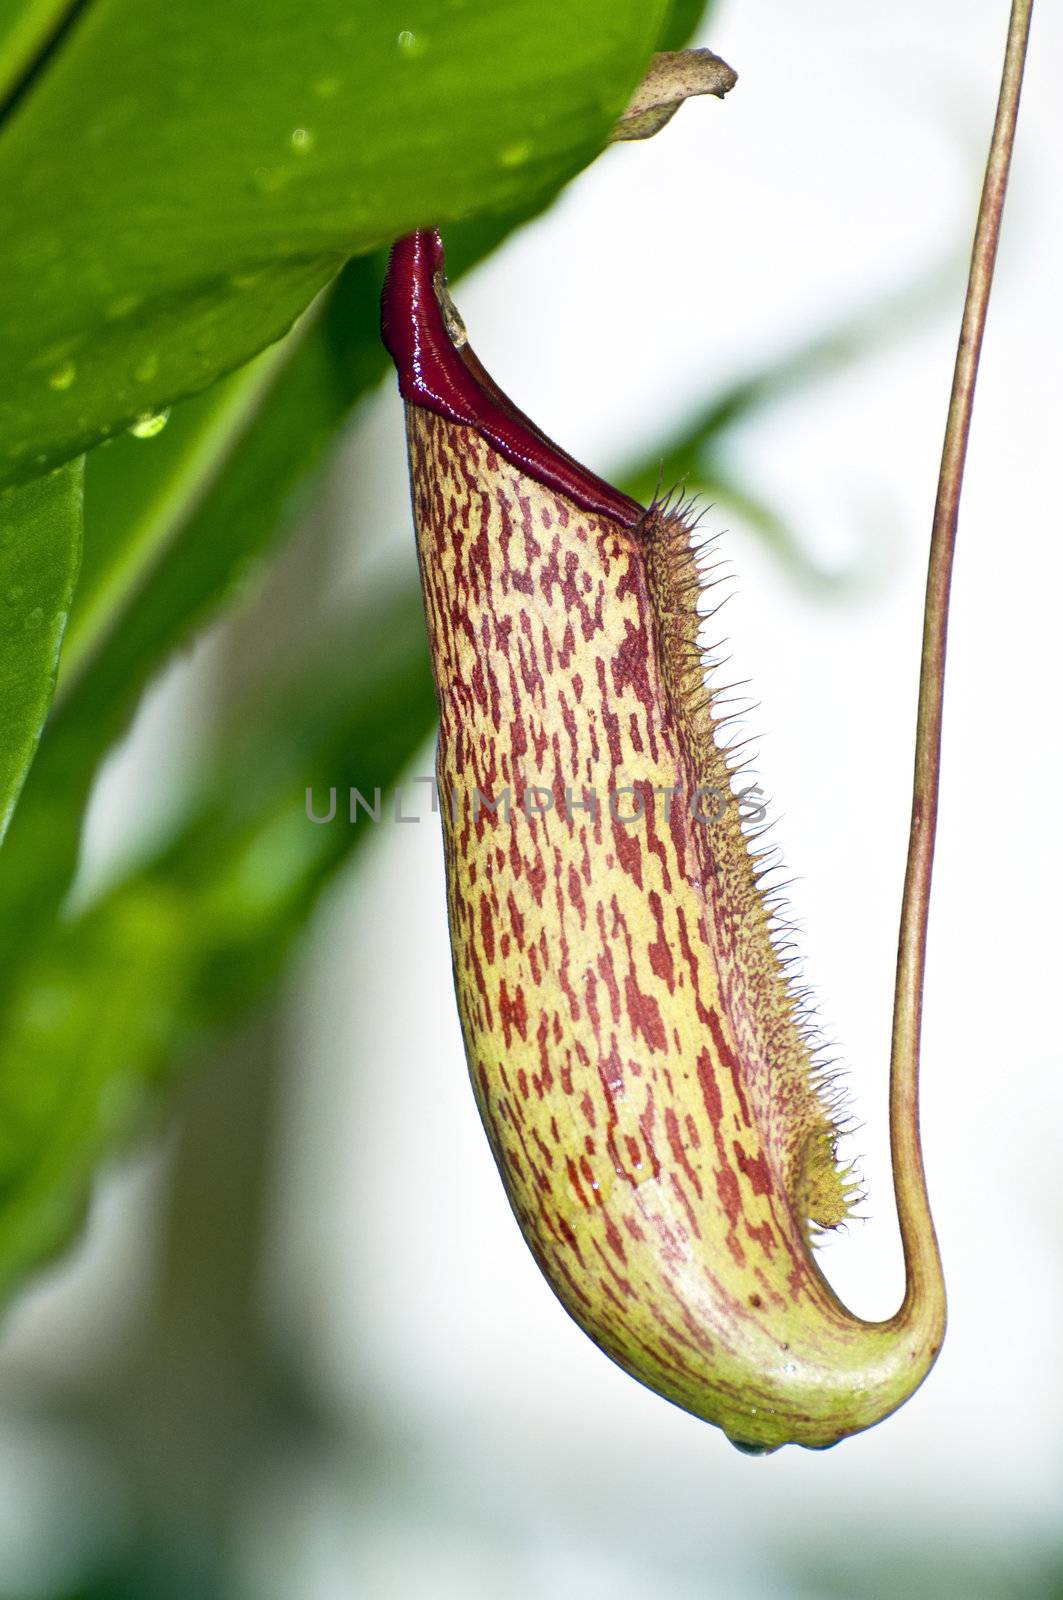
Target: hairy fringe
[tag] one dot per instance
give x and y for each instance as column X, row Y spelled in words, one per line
column 789, row 1046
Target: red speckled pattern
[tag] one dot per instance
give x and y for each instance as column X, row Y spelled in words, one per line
column 646, row 1114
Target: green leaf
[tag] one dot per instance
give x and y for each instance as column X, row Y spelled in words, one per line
column 26, row 27
column 174, row 526
column 684, row 19
column 183, row 178
column 141, row 492
column 111, row 1006
column 175, row 523
column 40, row 545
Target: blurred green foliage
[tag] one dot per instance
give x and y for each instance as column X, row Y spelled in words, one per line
column 109, row 1003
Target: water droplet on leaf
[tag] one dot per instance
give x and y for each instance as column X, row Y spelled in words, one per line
column 146, row 368
column 63, row 376
column 302, row 140
column 150, row 424
column 267, row 180
column 122, row 307
column 411, row 45
column 515, row 155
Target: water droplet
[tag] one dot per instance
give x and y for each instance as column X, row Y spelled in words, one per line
column 63, row 376
column 122, row 307
column 34, row 618
column 326, row 88
column 150, row 424
column 267, row 180
column 749, row 1449
column 146, row 368
column 515, row 155
column 302, row 140
column 14, row 594
column 411, row 45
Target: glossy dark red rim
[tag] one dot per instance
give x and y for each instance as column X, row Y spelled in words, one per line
column 451, row 382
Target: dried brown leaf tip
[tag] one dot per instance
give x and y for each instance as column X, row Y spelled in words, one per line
column 673, row 76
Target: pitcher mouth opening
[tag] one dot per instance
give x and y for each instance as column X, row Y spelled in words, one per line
column 439, row 370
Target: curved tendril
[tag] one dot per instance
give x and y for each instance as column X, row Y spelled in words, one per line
column 924, row 1294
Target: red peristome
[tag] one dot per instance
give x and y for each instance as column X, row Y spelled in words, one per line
column 451, row 382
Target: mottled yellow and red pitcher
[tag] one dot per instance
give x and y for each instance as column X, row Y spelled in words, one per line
column 639, row 1058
